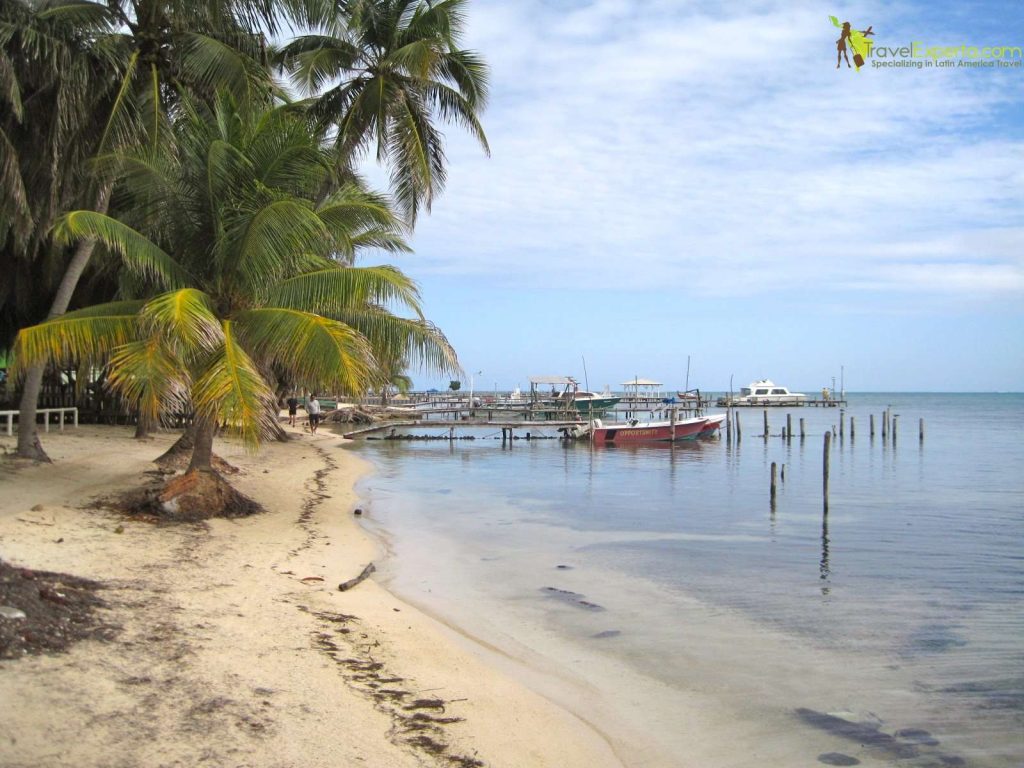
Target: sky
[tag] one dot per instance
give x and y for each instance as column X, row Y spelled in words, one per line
column 673, row 180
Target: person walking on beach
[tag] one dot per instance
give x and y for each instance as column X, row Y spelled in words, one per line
column 313, row 409
column 293, row 409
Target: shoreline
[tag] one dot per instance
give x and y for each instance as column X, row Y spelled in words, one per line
column 234, row 644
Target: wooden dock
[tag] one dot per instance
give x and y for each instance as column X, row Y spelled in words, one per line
column 388, row 426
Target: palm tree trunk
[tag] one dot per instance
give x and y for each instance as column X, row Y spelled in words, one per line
column 202, row 454
column 142, row 427
column 29, row 446
column 182, row 446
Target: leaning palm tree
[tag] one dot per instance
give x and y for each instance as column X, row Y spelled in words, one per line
column 113, row 71
column 382, row 73
column 254, row 274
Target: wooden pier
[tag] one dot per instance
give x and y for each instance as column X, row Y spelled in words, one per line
column 387, row 426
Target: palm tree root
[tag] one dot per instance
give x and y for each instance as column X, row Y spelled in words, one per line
column 200, row 496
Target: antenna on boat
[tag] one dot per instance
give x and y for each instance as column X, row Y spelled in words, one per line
column 586, row 379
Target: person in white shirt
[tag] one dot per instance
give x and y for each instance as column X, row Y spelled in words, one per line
column 313, row 409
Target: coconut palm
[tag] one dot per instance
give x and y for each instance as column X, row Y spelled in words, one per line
column 382, row 73
column 254, row 276
column 111, row 73
column 51, row 87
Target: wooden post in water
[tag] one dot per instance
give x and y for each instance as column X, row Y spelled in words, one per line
column 765, row 423
column 672, row 424
column 773, row 483
column 451, row 434
column 895, row 420
column 824, row 469
column 842, row 418
column 920, row 430
column 789, row 426
column 851, row 427
column 728, row 425
column 782, row 473
column 739, row 432
column 871, row 426
column 803, row 434
column 885, row 425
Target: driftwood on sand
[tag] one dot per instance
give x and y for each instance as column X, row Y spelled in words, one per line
column 345, row 586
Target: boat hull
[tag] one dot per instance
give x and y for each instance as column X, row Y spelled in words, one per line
column 658, row 432
column 710, row 429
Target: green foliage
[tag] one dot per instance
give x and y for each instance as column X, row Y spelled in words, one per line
column 262, row 288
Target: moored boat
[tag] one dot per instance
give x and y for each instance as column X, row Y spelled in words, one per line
column 570, row 396
column 649, row 431
column 763, row 392
column 714, row 424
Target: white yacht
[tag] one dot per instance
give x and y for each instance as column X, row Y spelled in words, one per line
column 764, row 392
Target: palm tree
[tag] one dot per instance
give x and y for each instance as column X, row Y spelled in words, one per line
column 139, row 58
column 257, row 272
column 381, row 73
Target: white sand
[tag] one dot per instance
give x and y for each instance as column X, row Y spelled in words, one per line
column 224, row 655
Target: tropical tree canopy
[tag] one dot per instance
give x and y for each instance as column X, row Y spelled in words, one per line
column 253, row 274
column 382, row 73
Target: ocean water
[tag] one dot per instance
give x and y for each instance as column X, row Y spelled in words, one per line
column 660, row 594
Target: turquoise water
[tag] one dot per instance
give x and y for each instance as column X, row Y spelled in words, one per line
column 897, row 614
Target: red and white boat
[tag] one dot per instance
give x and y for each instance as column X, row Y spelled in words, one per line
column 713, row 425
column 635, row 431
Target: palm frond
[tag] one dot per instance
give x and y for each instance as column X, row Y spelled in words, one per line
column 218, row 66
column 86, row 336
column 230, row 389
column 333, row 291
column 137, row 252
column 272, row 240
column 186, row 319
column 321, row 352
column 419, row 341
column 150, row 377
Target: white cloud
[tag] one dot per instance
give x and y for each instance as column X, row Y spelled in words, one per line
column 663, row 144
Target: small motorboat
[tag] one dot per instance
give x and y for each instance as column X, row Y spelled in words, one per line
column 635, row 431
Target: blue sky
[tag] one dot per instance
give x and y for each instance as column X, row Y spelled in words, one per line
column 673, row 178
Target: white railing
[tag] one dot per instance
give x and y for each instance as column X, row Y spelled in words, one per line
column 46, row 422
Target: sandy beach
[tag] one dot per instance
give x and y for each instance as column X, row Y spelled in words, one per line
column 229, row 643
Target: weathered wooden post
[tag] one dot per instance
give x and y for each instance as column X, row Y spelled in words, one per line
column 851, row 428
column 885, row 425
column 842, row 418
column 765, row 423
column 451, row 434
column 871, row 426
column 773, row 483
column 672, row 424
column 789, row 426
column 739, row 433
column 824, row 469
column 803, row 434
column 920, row 430
column 782, row 473
column 728, row 425
column 895, row 420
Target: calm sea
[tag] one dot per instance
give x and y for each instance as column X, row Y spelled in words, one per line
column 711, row 627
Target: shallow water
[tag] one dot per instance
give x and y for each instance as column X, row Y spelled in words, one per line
column 888, row 631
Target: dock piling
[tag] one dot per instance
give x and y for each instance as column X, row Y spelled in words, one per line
column 920, row 430
column 789, row 426
column 824, row 469
column 774, row 468
column 803, row 434
column 765, row 423
column 871, row 426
